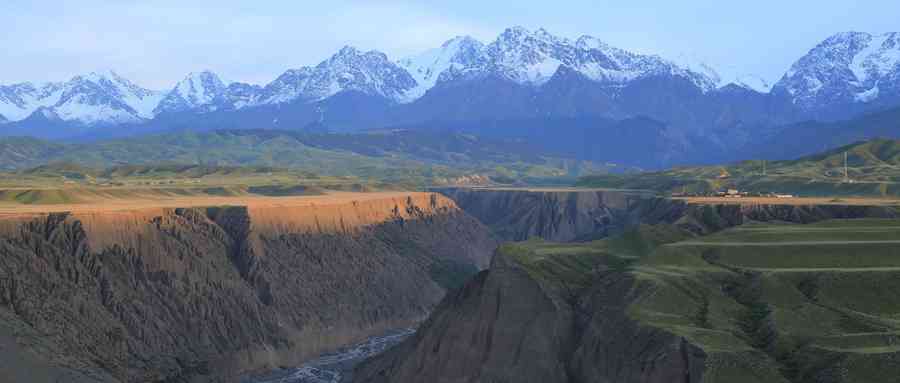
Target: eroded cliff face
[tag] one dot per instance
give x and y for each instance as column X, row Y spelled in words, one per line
column 580, row 215
column 208, row 294
column 554, row 215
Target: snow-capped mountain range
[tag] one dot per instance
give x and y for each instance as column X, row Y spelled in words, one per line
column 94, row 98
column 848, row 67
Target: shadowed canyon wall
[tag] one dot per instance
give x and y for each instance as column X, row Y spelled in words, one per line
column 554, row 215
column 582, row 215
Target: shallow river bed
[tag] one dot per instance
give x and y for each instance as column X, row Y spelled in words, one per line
column 332, row 367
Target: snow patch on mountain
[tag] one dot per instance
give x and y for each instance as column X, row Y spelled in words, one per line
column 879, row 57
column 753, row 82
column 80, row 109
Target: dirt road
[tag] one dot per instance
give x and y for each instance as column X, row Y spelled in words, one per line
column 790, row 201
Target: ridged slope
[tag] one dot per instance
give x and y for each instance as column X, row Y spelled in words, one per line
column 186, row 294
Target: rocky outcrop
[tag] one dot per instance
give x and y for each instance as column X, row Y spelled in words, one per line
column 208, row 294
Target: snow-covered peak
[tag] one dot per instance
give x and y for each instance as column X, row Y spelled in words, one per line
column 846, row 67
column 351, row 56
column 203, row 91
column 101, row 76
column 590, row 42
column 426, row 68
column 695, row 63
column 722, row 76
column 200, row 87
column 140, row 99
column 521, row 35
column 462, row 41
column 529, row 57
column 352, row 69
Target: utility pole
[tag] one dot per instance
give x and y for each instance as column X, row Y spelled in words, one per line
column 846, row 172
column 764, row 167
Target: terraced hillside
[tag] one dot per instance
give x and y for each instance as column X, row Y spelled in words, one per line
column 752, row 304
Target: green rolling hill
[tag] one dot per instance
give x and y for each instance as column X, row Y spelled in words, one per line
column 420, row 156
column 873, row 169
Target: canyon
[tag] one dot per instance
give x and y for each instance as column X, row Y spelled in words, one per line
column 157, row 288
column 210, row 290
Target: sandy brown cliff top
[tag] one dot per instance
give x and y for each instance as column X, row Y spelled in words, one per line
column 121, row 221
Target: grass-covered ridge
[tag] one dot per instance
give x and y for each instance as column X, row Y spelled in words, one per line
column 765, row 302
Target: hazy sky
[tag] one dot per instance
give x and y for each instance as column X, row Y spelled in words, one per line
column 155, row 43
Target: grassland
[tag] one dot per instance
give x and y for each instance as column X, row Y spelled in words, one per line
column 409, row 157
column 873, row 170
column 73, row 184
column 766, row 302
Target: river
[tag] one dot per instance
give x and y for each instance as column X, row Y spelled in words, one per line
column 332, row 367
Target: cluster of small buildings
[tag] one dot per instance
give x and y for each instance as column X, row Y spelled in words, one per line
column 734, row 193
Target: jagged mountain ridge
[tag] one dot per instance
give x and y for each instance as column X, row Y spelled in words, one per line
column 98, row 97
column 521, row 75
column 518, row 54
column 527, row 57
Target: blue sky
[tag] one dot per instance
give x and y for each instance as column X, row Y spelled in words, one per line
column 156, row 43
